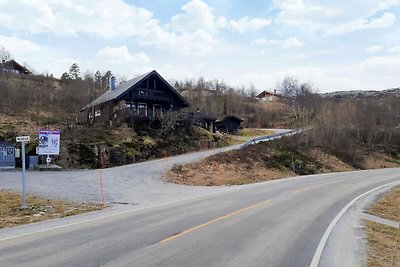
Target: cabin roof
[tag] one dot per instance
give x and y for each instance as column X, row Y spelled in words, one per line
column 12, row 64
column 202, row 116
column 231, row 117
column 126, row 86
column 260, row 95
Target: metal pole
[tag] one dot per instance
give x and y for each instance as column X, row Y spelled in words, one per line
column 23, row 174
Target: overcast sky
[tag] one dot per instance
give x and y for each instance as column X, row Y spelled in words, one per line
column 337, row 45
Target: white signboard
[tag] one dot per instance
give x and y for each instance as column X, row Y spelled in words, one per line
column 23, row 139
column 49, row 142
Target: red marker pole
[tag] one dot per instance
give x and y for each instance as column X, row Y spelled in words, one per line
column 165, row 163
column 101, row 180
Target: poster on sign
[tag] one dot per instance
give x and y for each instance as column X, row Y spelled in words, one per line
column 49, row 142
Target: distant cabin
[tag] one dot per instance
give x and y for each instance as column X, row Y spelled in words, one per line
column 14, row 67
column 267, row 96
column 229, row 124
column 147, row 96
column 7, row 155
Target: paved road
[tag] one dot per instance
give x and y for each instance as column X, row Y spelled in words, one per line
column 276, row 223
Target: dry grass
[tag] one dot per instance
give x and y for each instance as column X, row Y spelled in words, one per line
column 254, row 132
column 39, row 209
column 383, row 243
column 378, row 160
column 257, row 163
column 216, row 174
column 388, row 206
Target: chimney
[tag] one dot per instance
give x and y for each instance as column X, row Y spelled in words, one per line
column 111, row 83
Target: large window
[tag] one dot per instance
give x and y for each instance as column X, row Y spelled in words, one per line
column 142, row 109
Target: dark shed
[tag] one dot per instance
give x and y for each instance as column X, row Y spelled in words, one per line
column 7, row 155
column 204, row 121
column 229, row 124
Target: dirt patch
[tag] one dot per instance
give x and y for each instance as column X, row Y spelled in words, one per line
column 39, row 209
column 208, row 174
column 383, row 241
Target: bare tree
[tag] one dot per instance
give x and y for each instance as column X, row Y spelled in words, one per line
column 4, row 54
column 170, row 121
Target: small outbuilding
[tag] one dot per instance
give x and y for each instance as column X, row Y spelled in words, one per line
column 7, row 155
column 229, row 124
column 204, row 121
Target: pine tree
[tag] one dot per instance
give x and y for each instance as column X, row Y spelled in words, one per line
column 75, row 72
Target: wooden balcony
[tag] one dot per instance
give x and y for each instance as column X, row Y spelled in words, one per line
column 127, row 113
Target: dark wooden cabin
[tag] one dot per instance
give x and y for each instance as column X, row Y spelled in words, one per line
column 229, row 124
column 147, row 96
column 14, row 67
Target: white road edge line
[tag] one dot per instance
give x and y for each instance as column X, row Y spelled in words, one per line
column 324, row 239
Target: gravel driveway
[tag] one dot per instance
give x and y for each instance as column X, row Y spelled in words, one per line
column 135, row 184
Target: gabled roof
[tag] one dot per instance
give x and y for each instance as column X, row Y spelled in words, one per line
column 260, row 95
column 124, row 87
column 12, row 64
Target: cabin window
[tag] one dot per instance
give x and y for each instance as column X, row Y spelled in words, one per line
column 142, row 92
column 142, row 109
column 90, row 115
column 97, row 112
column 129, row 104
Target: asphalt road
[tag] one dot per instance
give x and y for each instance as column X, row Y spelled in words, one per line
column 276, row 223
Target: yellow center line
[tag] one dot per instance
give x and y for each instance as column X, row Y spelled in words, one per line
column 215, row 220
column 313, row 186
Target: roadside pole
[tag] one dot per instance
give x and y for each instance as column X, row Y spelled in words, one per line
column 23, row 140
column 101, row 179
column 165, row 163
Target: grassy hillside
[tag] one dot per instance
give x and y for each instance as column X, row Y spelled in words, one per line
column 289, row 156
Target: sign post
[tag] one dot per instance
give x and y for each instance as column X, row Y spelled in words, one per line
column 23, row 140
column 49, row 144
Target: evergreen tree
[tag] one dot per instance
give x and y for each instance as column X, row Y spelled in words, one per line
column 74, row 72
